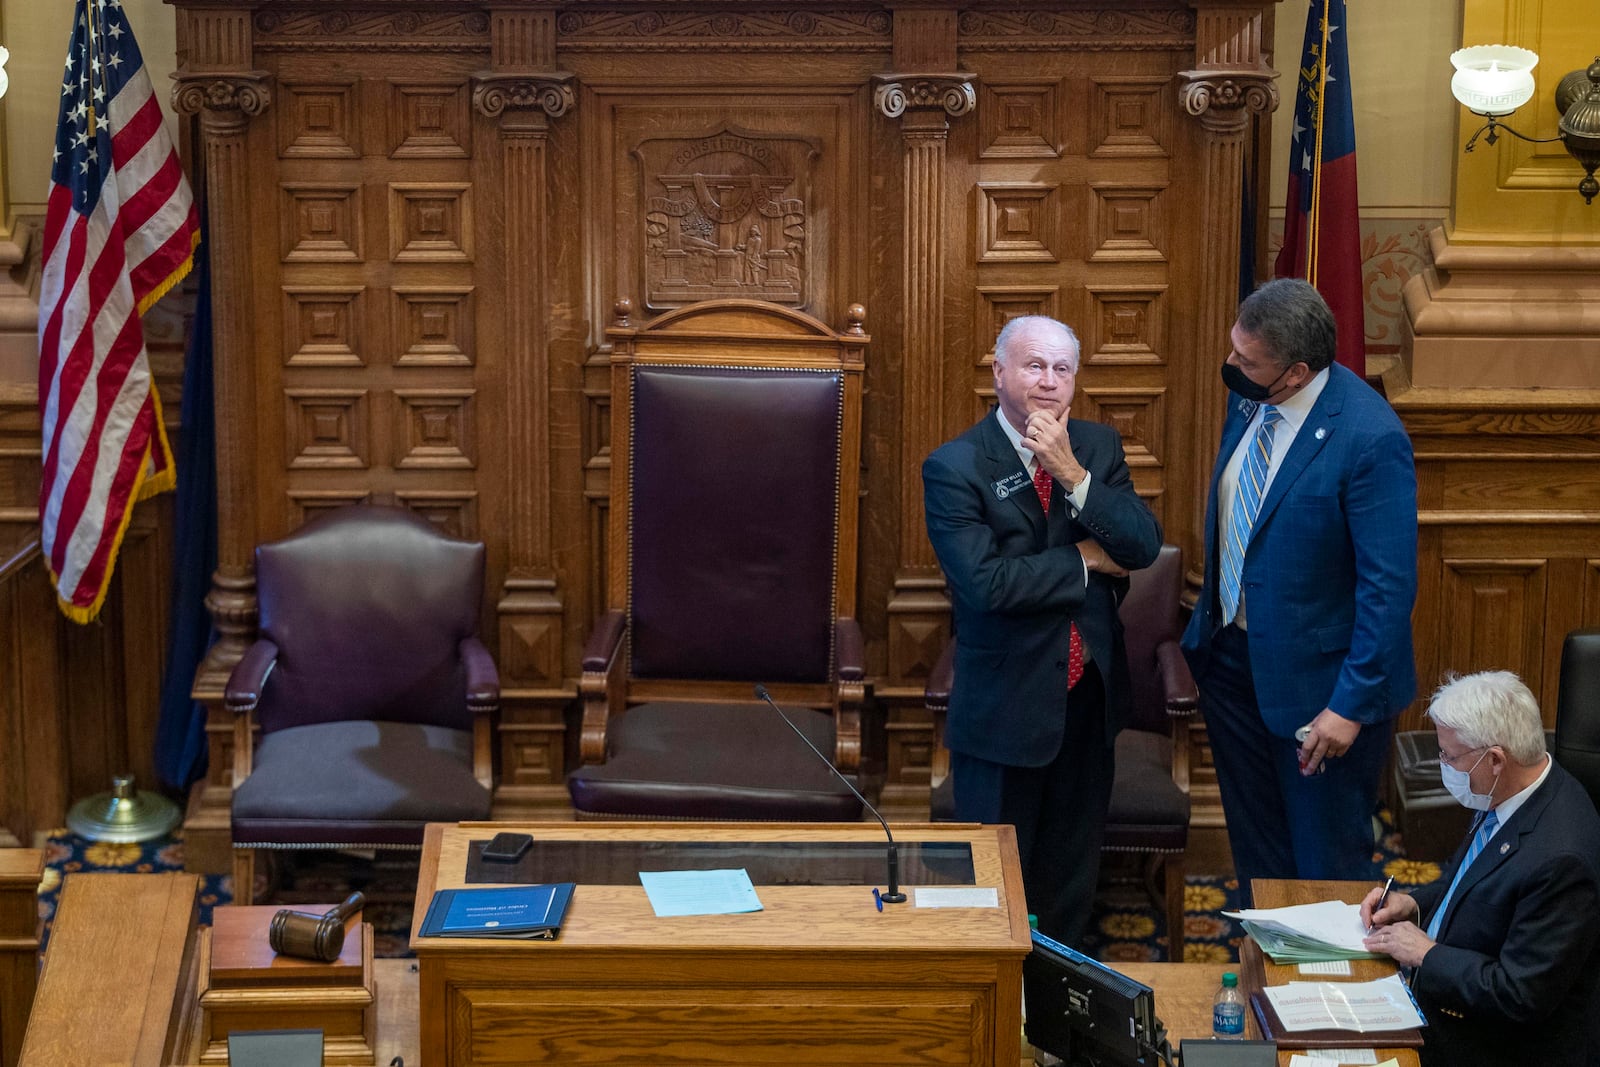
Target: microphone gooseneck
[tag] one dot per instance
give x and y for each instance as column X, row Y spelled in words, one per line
column 893, row 895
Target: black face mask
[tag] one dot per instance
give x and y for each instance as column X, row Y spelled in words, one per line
column 1240, row 385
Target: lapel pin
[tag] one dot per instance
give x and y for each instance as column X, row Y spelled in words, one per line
column 1321, row 433
column 1505, row 847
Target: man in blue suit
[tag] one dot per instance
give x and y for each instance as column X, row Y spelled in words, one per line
column 1035, row 521
column 1505, row 945
column 1304, row 618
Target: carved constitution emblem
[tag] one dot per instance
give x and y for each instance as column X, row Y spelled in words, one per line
column 726, row 215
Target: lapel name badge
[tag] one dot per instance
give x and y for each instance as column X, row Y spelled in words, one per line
column 1010, row 484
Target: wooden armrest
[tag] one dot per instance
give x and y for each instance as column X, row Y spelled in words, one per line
column 602, row 686
column 850, row 649
column 604, row 641
column 936, row 693
column 1182, row 695
column 483, row 679
column 249, row 676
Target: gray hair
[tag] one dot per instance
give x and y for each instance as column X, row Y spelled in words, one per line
column 1027, row 324
column 1491, row 708
column 1292, row 320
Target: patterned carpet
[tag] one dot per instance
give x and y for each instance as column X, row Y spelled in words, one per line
column 1128, row 925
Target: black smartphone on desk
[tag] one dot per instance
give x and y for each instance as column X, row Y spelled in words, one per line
column 506, row 847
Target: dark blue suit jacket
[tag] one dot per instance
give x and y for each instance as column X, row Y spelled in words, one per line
column 1515, row 977
column 1017, row 583
column 1330, row 574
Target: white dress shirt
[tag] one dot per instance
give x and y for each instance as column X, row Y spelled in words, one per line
column 1294, row 409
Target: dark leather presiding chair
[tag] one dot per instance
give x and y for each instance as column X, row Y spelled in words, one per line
column 1149, row 812
column 1577, row 744
column 735, row 466
column 369, row 686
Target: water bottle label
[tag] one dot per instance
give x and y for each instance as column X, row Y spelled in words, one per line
column 1227, row 1018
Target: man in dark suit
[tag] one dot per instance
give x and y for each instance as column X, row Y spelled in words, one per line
column 1506, row 944
column 1035, row 521
column 1304, row 619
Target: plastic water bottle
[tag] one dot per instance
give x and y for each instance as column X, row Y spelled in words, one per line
column 1227, row 1011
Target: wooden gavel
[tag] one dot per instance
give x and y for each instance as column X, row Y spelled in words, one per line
column 312, row 937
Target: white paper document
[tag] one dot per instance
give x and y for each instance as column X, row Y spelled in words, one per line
column 1334, row 969
column 1363, row 1007
column 725, row 892
column 1329, row 929
column 959, row 897
column 1323, row 1057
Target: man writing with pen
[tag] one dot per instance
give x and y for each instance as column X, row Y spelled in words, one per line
column 1504, row 948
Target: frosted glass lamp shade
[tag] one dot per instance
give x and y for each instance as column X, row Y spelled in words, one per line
column 1493, row 79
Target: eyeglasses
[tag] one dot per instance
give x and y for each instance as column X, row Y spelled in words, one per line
column 1451, row 760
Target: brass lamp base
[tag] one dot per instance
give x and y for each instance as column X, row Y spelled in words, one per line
column 125, row 815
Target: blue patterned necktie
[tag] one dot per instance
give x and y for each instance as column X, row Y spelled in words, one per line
column 1246, row 504
column 1479, row 840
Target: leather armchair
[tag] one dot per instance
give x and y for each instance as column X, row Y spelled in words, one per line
column 735, row 449
column 1149, row 813
column 363, row 709
column 1577, row 742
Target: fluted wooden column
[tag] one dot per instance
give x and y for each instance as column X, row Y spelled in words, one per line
column 918, row 610
column 217, row 82
column 523, row 95
column 1230, row 82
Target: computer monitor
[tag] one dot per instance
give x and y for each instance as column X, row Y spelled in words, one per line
column 1086, row 1013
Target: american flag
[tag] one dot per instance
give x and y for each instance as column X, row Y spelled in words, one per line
column 1322, row 223
column 120, row 231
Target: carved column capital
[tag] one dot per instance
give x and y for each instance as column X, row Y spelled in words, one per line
column 246, row 91
column 1224, row 100
column 494, row 93
column 895, row 94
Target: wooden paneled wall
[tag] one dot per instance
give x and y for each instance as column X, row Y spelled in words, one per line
column 78, row 704
column 421, row 215
column 1509, row 532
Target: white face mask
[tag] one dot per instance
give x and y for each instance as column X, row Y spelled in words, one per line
column 1459, row 783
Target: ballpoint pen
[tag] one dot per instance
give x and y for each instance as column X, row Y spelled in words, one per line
column 1379, row 906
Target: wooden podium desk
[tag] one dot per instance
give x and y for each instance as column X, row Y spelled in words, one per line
column 1280, row 893
column 820, row 977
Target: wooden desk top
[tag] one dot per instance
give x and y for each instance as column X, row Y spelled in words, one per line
column 120, row 949
column 1184, row 992
column 837, row 917
column 1278, row 893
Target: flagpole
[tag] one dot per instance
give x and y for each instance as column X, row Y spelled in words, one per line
column 1313, row 219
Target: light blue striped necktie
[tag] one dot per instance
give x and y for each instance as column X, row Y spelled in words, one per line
column 1246, row 504
column 1479, row 840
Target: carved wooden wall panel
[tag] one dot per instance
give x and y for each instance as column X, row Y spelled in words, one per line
column 1510, row 517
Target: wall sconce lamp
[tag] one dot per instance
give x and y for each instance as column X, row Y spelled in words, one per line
column 1493, row 80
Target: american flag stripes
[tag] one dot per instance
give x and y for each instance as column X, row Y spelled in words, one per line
column 120, row 230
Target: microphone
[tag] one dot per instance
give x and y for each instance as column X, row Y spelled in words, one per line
column 893, row 896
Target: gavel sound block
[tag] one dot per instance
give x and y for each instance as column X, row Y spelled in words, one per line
column 246, row 985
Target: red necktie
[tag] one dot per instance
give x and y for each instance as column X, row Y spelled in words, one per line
column 1042, row 484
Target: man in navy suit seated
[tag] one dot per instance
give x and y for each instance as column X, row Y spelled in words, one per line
column 1303, row 625
column 1506, row 944
column 1035, row 520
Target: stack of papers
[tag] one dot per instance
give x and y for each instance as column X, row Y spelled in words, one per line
column 1365, row 1007
column 1307, row 933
